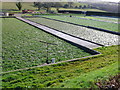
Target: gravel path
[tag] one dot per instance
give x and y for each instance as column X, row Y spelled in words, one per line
column 96, row 36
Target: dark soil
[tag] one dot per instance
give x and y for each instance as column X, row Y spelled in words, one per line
column 112, row 84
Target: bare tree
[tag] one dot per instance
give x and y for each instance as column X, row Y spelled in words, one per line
column 47, row 5
column 70, row 4
column 57, row 5
column 19, row 5
column 39, row 5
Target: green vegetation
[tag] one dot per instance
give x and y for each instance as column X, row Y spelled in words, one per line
column 22, row 47
column 88, row 80
column 97, row 10
column 82, row 73
column 99, row 18
column 11, row 7
column 93, row 35
column 75, row 4
column 98, row 24
column 0, row 50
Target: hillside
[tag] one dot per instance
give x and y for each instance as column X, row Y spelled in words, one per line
column 81, row 74
column 11, row 6
column 106, row 6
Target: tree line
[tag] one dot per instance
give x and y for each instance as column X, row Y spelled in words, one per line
column 57, row 5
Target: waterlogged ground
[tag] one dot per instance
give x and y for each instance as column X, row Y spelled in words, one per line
column 21, row 47
column 96, row 36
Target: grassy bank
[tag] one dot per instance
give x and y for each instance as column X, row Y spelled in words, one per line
column 89, row 79
column 78, row 71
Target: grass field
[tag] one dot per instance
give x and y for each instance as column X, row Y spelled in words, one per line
column 99, row 18
column 21, row 46
column 93, row 35
column 79, row 74
column 29, row 5
column 97, row 10
column 11, row 7
column 98, row 24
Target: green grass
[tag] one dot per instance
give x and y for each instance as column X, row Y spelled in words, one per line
column 98, row 24
column 12, row 5
column 27, row 5
column 97, row 10
column 89, row 79
column 0, row 50
column 110, row 19
column 100, row 18
column 100, row 67
column 21, row 47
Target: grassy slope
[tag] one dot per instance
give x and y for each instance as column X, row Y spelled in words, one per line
column 97, row 10
column 12, row 5
column 98, row 24
column 78, row 4
column 52, row 76
column 29, row 5
column 26, row 5
column 87, row 80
